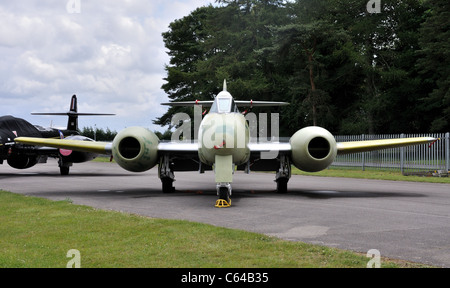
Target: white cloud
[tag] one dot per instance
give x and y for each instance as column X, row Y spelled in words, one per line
column 111, row 55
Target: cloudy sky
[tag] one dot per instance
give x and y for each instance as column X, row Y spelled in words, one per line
column 109, row 53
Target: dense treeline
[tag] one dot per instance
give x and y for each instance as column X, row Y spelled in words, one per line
column 98, row 134
column 338, row 65
column 108, row 136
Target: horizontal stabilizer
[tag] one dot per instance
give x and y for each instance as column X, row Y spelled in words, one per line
column 238, row 103
column 188, row 103
column 72, row 114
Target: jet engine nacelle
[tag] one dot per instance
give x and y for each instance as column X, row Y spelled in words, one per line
column 136, row 149
column 20, row 161
column 313, row 149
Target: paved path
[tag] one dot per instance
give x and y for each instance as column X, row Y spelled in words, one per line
column 402, row 220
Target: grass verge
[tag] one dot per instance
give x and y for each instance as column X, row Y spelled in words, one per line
column 371, row 174
column 37, row 232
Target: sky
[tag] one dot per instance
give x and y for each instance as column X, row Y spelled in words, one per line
column 110, row 54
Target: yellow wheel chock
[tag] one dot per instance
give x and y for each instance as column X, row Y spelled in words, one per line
column 221, row 203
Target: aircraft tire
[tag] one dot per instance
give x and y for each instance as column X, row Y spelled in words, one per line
column 64, row 170
column 223, row 193
column 167, row 185
column 282, row 185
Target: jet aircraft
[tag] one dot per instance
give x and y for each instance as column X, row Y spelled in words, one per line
column 21, row 156
column 223, row 146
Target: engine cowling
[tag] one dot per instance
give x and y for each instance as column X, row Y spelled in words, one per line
column 313, row 149
column 19, row 161
column 136, row 149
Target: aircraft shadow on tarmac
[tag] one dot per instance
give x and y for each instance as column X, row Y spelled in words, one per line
column 56, row 174
column 151, row 192
column 238, row 192
column 328, row 194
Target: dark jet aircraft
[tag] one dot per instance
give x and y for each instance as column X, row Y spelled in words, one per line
column 22, row 156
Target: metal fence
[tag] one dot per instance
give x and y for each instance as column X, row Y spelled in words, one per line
column 412, row 159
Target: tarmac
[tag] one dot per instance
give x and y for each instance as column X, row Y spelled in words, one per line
column 402, row 220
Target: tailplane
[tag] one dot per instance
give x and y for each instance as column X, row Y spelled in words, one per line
column 72, row 124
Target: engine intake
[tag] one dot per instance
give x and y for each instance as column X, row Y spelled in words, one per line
column 136, row 149
column 313, row 149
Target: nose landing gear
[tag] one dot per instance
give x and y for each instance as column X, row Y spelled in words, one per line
column 224, row 193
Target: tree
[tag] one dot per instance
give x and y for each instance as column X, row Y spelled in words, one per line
column 216, row 43
column 99, row 134
column 306, row 49
column 185, row 42
column 434, row 64
column 339, row 65
column 385, row 44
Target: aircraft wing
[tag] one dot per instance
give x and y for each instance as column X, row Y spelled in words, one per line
column 180, row 147
column 268, row 147
column 346, row 147
column 184, row 155
column 77, row 145
column 372, row 145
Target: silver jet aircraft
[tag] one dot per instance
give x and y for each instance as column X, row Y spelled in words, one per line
column 223, row 146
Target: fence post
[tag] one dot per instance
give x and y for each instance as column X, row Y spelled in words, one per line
column 363, row 155
column 402, row 155
column 447, row 152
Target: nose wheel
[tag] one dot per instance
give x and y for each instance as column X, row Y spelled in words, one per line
column 224, row 193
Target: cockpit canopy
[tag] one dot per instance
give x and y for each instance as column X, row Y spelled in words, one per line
column 224, row 103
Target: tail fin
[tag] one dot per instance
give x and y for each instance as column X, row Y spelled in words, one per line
column 72, row 124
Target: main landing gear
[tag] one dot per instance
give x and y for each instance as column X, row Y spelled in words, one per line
column 166, row 175
column 224, row 193
column 64, row 167
column 283, row 175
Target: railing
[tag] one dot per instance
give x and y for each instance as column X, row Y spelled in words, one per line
column 421, row 158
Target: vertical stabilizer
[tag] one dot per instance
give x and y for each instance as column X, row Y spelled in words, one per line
column 225, row 85
column 72, row 124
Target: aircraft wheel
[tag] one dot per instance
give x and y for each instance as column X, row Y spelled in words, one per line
column 223, row 193
column 282, row 185
column 167, row 185
column 64, row 170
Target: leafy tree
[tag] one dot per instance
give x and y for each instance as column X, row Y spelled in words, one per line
column 338, row 65
column 385, row 45
column 217, row 43
column 306, row 48
column 434, row 64
column 99, row 134
column 185, row 42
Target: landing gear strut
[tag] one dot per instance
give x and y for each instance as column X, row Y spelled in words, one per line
column 64, row 167
column 224, row 193
column 166, row 175
column 283, row 175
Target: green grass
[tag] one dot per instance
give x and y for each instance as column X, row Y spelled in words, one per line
column 371, row 174
column 37, row 232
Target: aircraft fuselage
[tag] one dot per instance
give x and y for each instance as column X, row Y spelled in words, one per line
column 224, row 134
